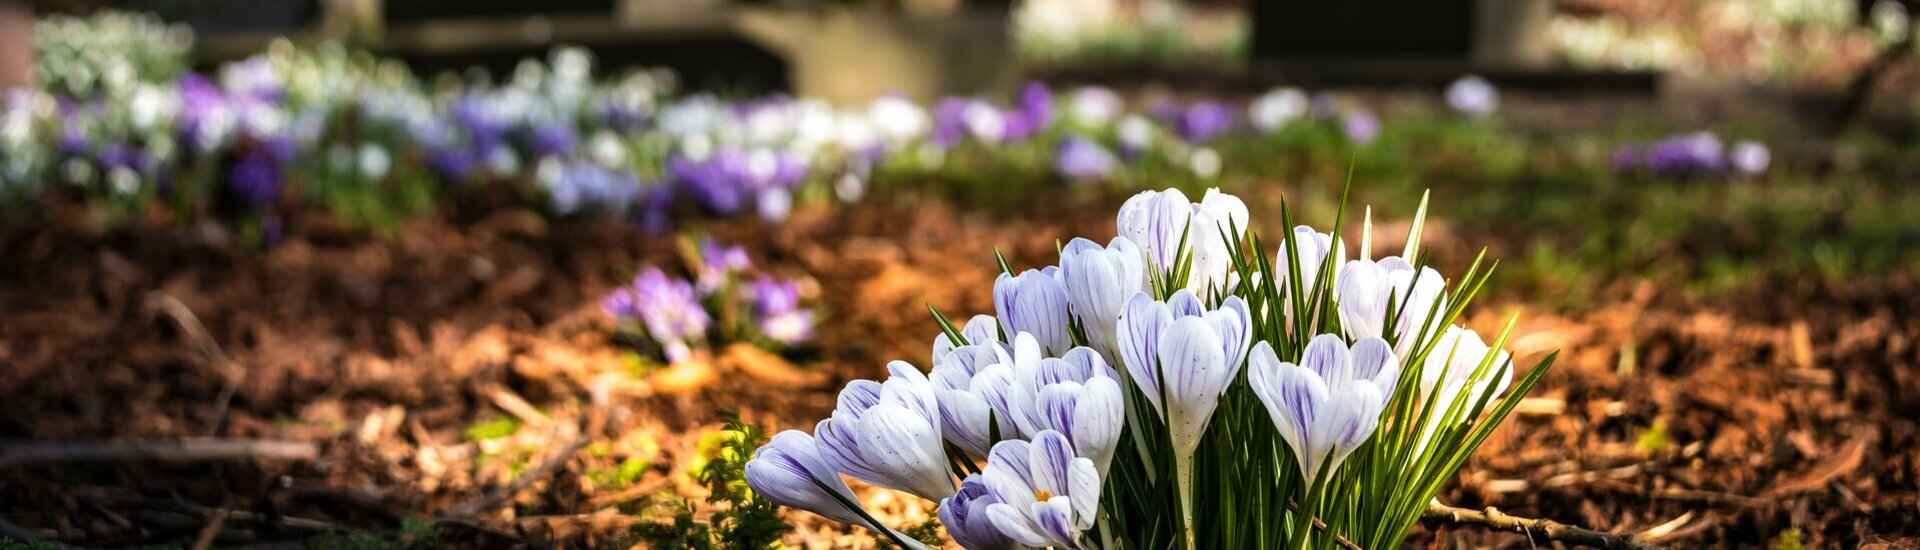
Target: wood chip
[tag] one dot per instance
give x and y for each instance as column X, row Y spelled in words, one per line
column 1837, row 464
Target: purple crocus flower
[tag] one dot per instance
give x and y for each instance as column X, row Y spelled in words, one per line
column 582, row 185
column 656, row 210
column 1698, row 153
column 719, row 263
column 206, row 116
column 73, row 141
column 777, row 313
column 1360, row 126
column 120, row 154
column 451, row 162
column 708, row 184
column 763, row 169
column 1203, row 121
column 553, row 140
column 1035, row 113
column 256, row 177
column 621, row 116
column 666, row 308
column 950, row 122
column 1080, row 159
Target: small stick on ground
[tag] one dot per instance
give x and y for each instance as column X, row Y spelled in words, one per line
column 1536, row 530
column 190, row 450
column 1321, row 526
column 230, row 372
column 212, row 530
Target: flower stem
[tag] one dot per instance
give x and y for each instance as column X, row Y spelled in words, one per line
column 1303, row 518
column 1183, row 479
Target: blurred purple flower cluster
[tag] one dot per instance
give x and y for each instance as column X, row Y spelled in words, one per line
column 678, row 315
column 1697, row 154
column 730, row 180
column 665, row 309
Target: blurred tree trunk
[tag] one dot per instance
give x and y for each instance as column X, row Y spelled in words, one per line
column 16, row 44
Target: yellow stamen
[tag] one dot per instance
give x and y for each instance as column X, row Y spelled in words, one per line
column 1042, row 495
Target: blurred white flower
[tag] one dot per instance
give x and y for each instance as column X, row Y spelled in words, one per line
column 1277, row 108
column 1473, row 96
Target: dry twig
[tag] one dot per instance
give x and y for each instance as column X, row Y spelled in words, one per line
column 1536, row 530
column 1321, row 526
column 212, row 530
column 231, row 373
column 189, row 450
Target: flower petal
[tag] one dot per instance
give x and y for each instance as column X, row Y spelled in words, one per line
column 1055, row 520
column 1374, row 360
column 1140, row 326
column 1195, row 373
column 1014, row 523
column 1327, row 356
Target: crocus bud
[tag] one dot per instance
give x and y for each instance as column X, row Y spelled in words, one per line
column 1156, row 221
column 1183, row 356
column 980, row 330
column 1330, row 403
column 1089, row 414
column 889, row 434
column 1311, row 252
column 1034, row 302
column 1099, row 281
column 1367, row 292
column 786, row 470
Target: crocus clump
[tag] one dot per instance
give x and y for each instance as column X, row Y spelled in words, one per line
column 1697, row 154
column 679, row 317
column 1182, row 386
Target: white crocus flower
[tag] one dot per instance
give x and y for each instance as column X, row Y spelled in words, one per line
column 1183, row 357
column 1277, row 108
column 1157, row 221
column 898, row 119
column 789, row 471
column 1099, row 281
column 1095, row 107
column 889, row 434
column 966, row 419
column 1034, row 302
column 1366, row 292
column 1473, row 96
column 982, row 390
column 1311, row 252
column 1047, row 495
column 980, row 330
column 1453, row 370
column 1330, row 403
column 965, row 516
column 1089, row 414
column 786, row 470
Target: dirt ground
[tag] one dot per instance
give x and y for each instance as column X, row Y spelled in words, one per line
column 1711, row 422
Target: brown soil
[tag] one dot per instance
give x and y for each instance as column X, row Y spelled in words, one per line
column 1768, row 412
